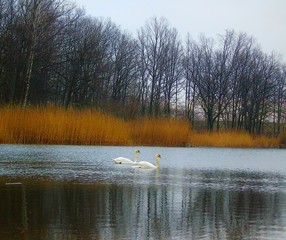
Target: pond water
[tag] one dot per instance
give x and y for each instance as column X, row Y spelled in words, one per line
column 76, row 192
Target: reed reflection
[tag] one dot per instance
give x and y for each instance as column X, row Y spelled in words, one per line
column 197, row 208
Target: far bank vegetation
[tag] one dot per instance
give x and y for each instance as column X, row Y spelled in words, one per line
column 155, row 82
column 54, row 125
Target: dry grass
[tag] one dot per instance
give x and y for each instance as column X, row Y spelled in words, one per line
column 160, row 131
column 54, row 125
column 232, row 139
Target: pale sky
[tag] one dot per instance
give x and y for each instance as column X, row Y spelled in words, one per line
column 265, row 20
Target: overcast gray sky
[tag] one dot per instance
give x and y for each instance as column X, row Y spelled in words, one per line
column 265, row 20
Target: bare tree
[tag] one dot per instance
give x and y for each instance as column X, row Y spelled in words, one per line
column 124, row 71
column 279, row 97
column 29, row 31
column 172, row 82
column 206, row 81
column 153, row 36
column 241, row 61
column 159, row 60
column 9, row 50
column 191, row 65
column 38, row 18
column 233, row 81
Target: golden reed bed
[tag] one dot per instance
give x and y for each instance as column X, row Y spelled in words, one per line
column 54, row 125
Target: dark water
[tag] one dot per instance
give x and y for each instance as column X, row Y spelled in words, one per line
column 75, row 192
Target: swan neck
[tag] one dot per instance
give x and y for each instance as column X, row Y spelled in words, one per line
column 157, row 162
column 136, row 157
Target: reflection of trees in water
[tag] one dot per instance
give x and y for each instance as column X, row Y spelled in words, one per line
column 81, row 211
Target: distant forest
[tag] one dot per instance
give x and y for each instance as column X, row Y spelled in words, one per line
column 51, row 52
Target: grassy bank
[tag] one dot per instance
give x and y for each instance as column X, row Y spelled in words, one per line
column 53, row 125
column 233, row 139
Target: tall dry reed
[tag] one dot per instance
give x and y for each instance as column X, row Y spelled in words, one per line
column 235, row 139
column 55, row 125
column 160, row 131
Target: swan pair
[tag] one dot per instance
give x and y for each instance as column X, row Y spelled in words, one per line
column 138, row 164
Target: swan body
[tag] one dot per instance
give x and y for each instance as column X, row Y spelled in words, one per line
column 148, row 165
column 124, row 160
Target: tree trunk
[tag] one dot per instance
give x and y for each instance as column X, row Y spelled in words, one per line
column 28, row 77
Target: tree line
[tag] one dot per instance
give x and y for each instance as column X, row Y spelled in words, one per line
column 52, row 52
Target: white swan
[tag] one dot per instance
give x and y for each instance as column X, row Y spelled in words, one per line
column 123, row 160
column 147, row 165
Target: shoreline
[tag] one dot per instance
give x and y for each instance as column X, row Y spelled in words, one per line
column 155, row 146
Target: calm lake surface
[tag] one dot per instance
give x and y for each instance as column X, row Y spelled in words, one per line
column 76, row 192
